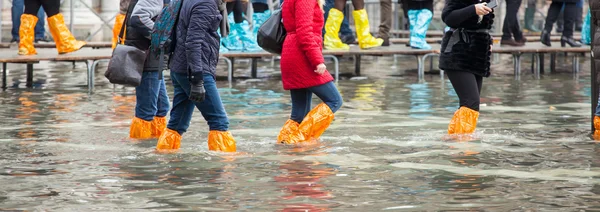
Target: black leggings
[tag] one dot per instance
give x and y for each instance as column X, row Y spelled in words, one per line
column 467, row 86
column 260, row 7
column 568, row 16
column 51, row 7
column 237, row 8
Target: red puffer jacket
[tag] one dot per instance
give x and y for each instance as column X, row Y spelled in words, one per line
column 302, row 48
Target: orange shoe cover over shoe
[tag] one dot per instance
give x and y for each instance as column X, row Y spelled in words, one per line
column 464, row 121
column 221, row 141
column 290, row 127
column 597, row 128
column 169, row 140
column 159, row 124
column 140, row 129
column 119, row 19
column 313, row 125
column 27, row 34
column 65, row 41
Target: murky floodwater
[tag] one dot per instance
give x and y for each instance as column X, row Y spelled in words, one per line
column 64, row 150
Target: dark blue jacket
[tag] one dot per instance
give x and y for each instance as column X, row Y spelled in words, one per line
column 197, row 46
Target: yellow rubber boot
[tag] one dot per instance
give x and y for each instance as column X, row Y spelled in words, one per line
column 159, row 124
column 117, row 29
column 597, row 128
column 332, row 40
column 365, row 39
column 464, row 121
column 169, row 140
column 290, row 127
column 65, row 42
column 140, row 129
column 313, row 125
column 221, row 141
column 27, row 34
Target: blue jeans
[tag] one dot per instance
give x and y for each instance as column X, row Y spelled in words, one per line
column 302, row 98
column 345, row 27
column 18, row 6
column 211, row 108
column 151, row 97
column 597, row 113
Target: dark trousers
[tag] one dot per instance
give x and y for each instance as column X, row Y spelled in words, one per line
column 467, row 87
column 211, row 108
column 238, row 10
column 302, row 98
column 569, row 17
column 511, row 21
column 52, row 7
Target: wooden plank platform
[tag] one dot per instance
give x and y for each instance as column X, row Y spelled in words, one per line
column 439, row 39
column 439, row 33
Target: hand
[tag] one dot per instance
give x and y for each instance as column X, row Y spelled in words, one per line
column 482, row 9
column 197, row 92
column 321, row 68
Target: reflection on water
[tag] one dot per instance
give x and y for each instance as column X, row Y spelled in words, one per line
column 65, row 150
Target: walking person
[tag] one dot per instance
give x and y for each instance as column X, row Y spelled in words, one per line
column 530, row 16
column 303, row 72
column 361, row 21
column 18, row 6
column 65, row 41
column 570, row 7
column 346, row 34
column 511, row 28
column 152, row 102
column 594, row 21
column 239, row 39
column 466, row 50
column 193, row 67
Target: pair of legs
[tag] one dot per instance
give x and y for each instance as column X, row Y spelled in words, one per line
column 511, row 28
column 468, row 89
column 240, row 38
column 211, row 108
column 569, row 19
column 335, row 17
column 346, row 34
column 151, row 108
column 530, row 15
column 419, row 16
column 18, row 6
column 308, row 123
column 65, row 42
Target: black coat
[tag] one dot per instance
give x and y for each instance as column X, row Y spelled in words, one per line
column 197, row 46
column 472, row 51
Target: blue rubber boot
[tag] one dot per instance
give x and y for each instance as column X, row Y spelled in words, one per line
column 248, row 42
column 232, row 41
column 419, row 23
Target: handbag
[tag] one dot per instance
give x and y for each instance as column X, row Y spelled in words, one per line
column 271, row 33
column 127, row 62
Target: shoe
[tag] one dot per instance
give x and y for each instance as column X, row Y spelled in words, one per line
column 386, row 42
column 140, row 129
column 290, row 127
column 597, row 128
column 26, row 34
column 169, row 140
column 221, row 141
column 569, row 40
column 545, row 38
column 119, row 19
column 232, row 42
column 313, row 125
column 42, row 40
column 522, row 40
column 65, row 41
column 348, row 39
column 14, row 40
column 529, row 20
column 510, row 42
column 248, row 42
column 464, row 121
column 159, row 124
column 333, row 23
column 365, row 39
column 419, row 23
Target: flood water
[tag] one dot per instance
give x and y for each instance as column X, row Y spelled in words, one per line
column 64, row 150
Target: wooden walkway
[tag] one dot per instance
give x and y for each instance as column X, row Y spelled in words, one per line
column 93, row 56
column 93, row 45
